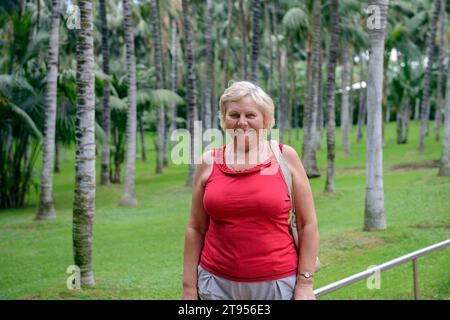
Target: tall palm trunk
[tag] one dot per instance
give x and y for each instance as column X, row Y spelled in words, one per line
column 331, row 85
column 173, row 74
column 440, row 56
column 279, row 112
column 190, row 87
column 362, row 101
column 84, row 198
column 374, row 218
column 417, row 109
column 310, row 161
column 243, row 40
column 226, row 55
column 256, row 8
column 284, row 103
column 425, row 115
column 444, row 168
column 128, row 197
column 160, row 126
column 171, row 125
column 46, row 208
column 403, row 114
column 270, row 46
column 319, row 122
column 345, row 106
column 209, row 85
column 104, row 176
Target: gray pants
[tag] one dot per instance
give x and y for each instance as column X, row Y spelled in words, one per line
column 212, row 287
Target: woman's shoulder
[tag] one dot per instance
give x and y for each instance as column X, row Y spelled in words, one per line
column 290, row 155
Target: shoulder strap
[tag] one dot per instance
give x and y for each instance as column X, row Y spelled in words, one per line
column 286, row 175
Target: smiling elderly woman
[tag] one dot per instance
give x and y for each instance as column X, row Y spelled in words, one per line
column 238, row 245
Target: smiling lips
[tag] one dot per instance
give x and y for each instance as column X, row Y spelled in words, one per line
column 245, row 132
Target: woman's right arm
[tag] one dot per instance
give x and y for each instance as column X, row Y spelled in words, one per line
column 196, row 229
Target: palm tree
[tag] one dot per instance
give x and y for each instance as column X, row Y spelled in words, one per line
column 425, row 114
column 269, row 46
column 209, row 85
column 160, row 126
column 374, row 218
column 128, row 197
column 173, row 75
column 46, row 209
column 226, row 55
column 345, row 105
column 362, row 100
column 440, row 55
column 84, row 198
column 243, row 40
column 256, row 7
column 106, row 121
column 190, row 87
column 309, row 156
column 331, row 85
column 444, row 168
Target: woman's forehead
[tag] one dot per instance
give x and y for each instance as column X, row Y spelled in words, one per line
column 244, row 104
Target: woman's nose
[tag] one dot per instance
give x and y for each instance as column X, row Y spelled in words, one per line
column 242, row 121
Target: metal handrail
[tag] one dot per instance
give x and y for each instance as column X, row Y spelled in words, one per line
column 385, row 266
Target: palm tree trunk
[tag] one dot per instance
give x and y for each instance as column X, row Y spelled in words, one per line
column 284, row 103
column 307, row 100
column 319, row 122
column 142, row 134
column 160, row 126
column 270, row 47
column 171, row 123
column 227, row 48
column 310, row 162
column 173, row 74
column 345, row 109
column 440, row 56
column 331, row 85
column 444, row 167
column 84, row 198
column 362, row 101
column 243, row 40
column 279, row 112
column 256, row 7
column 209, row 85
column 425, row 115
column 46, row 208
column 417, row 109
column 57, row 158
column 374, row 218
column 128, row 197
column 190, row 87
column 402, row 121
column 106, row 115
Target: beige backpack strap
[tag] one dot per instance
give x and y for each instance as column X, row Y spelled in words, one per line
column 287, row 176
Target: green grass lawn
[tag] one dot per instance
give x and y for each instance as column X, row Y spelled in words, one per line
column 137, row 252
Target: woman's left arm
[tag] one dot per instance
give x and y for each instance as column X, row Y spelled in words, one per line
column 306, row 224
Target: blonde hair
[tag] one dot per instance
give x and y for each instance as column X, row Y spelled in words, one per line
column 240, row 89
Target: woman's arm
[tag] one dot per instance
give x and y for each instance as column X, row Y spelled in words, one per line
column 306, row 223
column 196, row 229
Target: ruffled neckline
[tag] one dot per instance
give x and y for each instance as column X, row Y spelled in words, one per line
column 226, row 169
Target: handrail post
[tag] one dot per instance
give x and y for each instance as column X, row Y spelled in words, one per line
column 416, row 279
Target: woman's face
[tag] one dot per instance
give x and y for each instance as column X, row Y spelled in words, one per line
column 244, row 120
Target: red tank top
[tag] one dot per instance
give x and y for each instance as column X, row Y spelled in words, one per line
column 248, row 238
